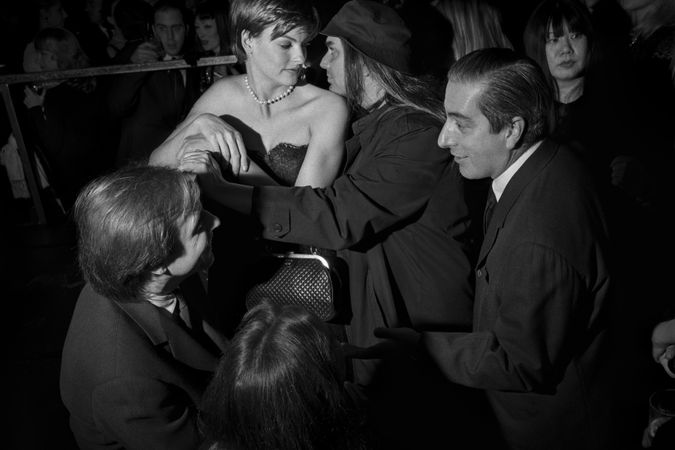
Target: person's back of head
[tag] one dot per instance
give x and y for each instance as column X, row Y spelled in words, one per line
column 279, row 385
column 59, row 49
column 128, row 225
column 512, row 86
column 475, row 24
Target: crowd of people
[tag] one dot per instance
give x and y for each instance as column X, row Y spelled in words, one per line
column 494, row 184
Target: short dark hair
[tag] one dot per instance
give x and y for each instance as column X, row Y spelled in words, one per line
column 218, row 11
column 166, row 5
column 513, row 85
column 279, row 386
column 255, row 15
column 129, row 224
column 400, row 89
column 554, row 14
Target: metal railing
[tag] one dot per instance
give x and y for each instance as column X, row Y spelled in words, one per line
column 27, row 158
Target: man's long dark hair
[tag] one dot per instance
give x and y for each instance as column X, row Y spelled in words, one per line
column 400, row 89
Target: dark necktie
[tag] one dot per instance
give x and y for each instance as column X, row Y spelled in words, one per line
column 177, row 316
column 489, row 209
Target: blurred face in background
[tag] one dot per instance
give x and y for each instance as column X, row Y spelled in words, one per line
column 207, row 33
column 566, row 54
column 169, row 29
column 93, row 8
column 53, row 17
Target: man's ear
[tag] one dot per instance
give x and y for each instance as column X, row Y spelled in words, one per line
column 515, row 132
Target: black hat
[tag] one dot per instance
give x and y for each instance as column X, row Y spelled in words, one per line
column 375, row 30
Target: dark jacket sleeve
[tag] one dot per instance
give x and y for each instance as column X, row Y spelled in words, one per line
column 390, row 188
column 124, row 89
column 145, row 413
column 534, row 334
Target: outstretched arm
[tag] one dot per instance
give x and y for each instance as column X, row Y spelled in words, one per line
column 203, row 120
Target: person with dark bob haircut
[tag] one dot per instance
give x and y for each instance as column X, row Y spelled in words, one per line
column 142, row 340
column 280, row 385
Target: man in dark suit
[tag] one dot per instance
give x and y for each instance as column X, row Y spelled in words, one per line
column 149, row 105
column 538, row 347
column 143, row 340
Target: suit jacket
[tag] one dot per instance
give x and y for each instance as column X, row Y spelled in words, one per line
column 539, row 340
column 398, row 218
column 149, row 106
column 131, row 376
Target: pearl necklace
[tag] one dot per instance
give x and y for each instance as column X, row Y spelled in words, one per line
column 270, row 101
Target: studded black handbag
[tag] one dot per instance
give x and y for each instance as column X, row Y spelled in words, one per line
column 309, row 280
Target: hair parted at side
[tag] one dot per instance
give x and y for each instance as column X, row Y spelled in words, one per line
column 279, row 386
column 554, row 14
column 129, row 224
column 513, row 86
column 399, row 89
column 255, row 15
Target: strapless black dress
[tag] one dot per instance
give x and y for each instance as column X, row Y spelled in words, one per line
column 282, row 163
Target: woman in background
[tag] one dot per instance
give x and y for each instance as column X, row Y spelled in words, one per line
column 559, row 35
column 212, row 39
column 293, row 131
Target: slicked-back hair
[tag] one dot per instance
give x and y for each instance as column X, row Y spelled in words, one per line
column 256, row 15
column 555, row 14
column 400, row 89
column 279, row 386
column 512, row 86
column 168, row 5
column 129, row 224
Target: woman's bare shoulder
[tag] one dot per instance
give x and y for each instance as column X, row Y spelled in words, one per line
column 325, row 102
column 213, row 99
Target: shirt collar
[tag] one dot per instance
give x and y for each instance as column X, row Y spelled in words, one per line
column 499, row 183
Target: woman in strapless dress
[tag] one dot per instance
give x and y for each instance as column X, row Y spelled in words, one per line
column 269, row 125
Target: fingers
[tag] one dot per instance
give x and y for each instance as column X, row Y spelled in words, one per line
column 243, row 156
column 195, row 161
column 235, row 157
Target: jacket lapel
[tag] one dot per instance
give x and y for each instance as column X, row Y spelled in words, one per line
column 162, row 330
column 539, row 159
